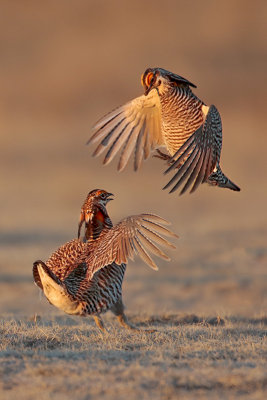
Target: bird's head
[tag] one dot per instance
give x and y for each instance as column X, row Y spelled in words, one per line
column 151, row 79
column 161, row 79
column 94, row 207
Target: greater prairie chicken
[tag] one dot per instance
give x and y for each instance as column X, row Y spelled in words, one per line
column 84, row 277
column 168, row 115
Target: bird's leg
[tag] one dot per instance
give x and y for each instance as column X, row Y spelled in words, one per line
column 118, row 310
column 167, row 158
column 123, row 321
column 99, row 322
column 163, row 156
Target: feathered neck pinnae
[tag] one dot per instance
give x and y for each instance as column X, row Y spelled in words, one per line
column 100, row 221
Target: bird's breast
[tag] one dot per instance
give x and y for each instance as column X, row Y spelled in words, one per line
column 181, row 116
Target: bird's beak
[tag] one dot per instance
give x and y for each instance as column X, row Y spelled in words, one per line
column 108, row 199
column 149, row 88
column 151, row 84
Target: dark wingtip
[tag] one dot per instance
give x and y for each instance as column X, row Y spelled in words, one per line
column 168, row 170
column 172, row 190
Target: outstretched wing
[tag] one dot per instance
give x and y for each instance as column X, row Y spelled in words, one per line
column 136, row 234
column 135, row 125
column 197, row 157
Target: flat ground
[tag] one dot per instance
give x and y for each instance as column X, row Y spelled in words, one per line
column 208, row 310
column 62, row 67
column 186, row 357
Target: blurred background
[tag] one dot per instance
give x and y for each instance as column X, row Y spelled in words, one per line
column 63, row 65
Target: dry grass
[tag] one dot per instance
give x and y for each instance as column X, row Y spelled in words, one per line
column 215, row 348
column 187, row 356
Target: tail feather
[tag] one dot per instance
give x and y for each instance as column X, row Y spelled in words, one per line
column 36, row 273
column 231, row 185
column 218, row 178
column 55, row 291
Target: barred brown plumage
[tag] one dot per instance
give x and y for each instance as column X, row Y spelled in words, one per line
column 84, row 277
column 168, row 115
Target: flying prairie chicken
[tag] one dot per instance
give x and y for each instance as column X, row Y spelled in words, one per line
column 168, row 115
column 84, row 277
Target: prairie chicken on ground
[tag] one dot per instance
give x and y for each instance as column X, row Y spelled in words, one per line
column 84, row 277
column 169, row 114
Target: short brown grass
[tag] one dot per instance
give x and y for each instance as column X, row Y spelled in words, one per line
column 188, row 356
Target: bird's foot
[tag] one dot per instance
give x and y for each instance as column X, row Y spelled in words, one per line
column 123, row 321
column 100, row 324
column 163, row 156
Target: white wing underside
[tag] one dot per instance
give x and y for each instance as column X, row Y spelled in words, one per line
column 133, row 127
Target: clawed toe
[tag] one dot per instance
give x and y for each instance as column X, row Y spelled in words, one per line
column 162, row 156
column 123, row 321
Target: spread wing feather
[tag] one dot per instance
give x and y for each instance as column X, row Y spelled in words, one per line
column 137, row 124
column 130, row 236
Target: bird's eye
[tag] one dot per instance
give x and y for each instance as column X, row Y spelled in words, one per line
column 103, row 196
column 149, row 78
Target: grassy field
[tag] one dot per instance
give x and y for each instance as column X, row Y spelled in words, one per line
column 207, row 307
column 187, row 357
